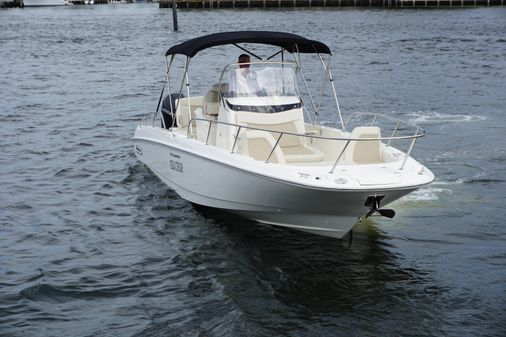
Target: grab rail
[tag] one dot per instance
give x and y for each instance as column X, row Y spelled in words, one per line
column 377, row 116
column 413, row 137
column 151, row 118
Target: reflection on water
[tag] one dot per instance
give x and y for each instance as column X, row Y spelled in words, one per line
column 265, row 277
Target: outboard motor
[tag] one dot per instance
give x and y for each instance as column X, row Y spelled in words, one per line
column 373, row 202
column 169, row 116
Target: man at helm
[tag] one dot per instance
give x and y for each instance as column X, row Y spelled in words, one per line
column 242, row 80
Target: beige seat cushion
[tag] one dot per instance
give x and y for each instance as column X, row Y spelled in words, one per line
column 366, row 151
column 182, row 114
column 297, row 154
column 211, row 103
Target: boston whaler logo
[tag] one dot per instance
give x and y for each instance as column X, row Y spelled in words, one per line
column 176, row 165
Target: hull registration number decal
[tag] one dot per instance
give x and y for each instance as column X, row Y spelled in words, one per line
column 176, row 165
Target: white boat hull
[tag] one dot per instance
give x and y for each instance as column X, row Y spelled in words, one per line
column 181, row 163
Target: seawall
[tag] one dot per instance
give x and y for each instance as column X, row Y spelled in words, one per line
column 329, row 3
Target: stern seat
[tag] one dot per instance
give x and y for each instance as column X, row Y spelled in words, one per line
column 210, row 110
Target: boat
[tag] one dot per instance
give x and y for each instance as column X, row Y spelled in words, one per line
column 43, row 3
column 276, row 154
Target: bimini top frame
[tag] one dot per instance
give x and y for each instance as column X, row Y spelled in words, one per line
column 292, row 43
column 289, row 42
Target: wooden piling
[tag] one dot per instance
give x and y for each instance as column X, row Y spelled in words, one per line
column 174, row 14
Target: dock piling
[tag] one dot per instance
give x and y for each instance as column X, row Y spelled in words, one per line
column 174, row 15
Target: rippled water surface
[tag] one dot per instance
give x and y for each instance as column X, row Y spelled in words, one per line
column 92, row 244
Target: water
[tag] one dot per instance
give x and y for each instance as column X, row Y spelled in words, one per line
column 92, row 244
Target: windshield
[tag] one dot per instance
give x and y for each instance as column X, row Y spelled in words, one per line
column 265, row 79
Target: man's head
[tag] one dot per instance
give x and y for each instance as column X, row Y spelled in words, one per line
column 244, row 58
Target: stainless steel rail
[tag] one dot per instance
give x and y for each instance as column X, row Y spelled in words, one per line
column 413, row 137
column 377, row 116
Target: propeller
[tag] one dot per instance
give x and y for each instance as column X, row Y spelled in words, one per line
column 373, row 202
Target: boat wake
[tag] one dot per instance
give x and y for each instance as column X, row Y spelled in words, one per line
column 431, row 193
column 425, row 117
column 434, row 117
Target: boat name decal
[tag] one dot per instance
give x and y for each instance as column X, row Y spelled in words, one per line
column 174, row 155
